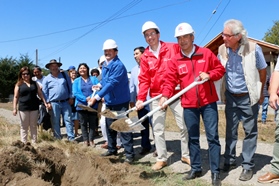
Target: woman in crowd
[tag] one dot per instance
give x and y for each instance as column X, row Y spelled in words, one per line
column 27, row 103
column 73, row 75
column 82, row 90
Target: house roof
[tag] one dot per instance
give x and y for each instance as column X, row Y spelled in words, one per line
column 267, row 48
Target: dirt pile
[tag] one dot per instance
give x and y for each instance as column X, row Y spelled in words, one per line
column 22, row 164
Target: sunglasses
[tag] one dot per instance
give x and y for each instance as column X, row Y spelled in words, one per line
column 25, row 74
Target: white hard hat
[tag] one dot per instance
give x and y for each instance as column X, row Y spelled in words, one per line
column 149, row 25
column 183, row 29
column 109, row 44
column 102, row 59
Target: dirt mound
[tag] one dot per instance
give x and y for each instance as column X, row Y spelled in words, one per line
column 22, row 164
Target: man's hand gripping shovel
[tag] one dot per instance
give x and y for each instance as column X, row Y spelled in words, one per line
column 123, row 115
column 127, row 125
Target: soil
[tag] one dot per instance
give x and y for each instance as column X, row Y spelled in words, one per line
column 109, row 114
column 46, row 165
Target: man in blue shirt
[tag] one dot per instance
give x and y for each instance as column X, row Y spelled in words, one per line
column 242, row 91
column 115, row 90
column 57, row 89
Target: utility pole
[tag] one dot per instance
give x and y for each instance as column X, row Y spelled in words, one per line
column 36, row 57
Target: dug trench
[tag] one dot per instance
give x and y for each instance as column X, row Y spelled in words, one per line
column 23, row 164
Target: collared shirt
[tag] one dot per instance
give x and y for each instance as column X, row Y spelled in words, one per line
column 55, row 88
column 134, row 87
column 191, row 53
column 234, row 71
column 156, row 53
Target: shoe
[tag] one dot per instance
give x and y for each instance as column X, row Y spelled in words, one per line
column 192, row 175
column 144, row 151
column 129, row 160
column 227, row 167
column 268, row 178
column 155, row 154
column 216, row 181
column 105, row 145
column 92, row 144
column 246, row 175
column 186, row 160
column 108, row 153
column 86, row 143
column 159, row 165
column 118, row 147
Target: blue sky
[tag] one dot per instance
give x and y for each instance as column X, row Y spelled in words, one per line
column 75, row 31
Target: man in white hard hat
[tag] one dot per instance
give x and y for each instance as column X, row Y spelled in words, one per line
column 115, row 90
column 152, row 71
column 190, row 63
column 101, row 108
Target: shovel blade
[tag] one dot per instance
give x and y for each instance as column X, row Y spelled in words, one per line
column 109, row 114
column 126, row 125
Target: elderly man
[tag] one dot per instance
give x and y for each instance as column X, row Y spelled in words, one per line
column 115, row 90
column 152, row 73
column 193, row 62
column 57, row 89
column 242, row 91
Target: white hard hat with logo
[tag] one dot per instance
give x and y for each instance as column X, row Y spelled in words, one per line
column 109, row 44
column 183, row 29
column 149, row 25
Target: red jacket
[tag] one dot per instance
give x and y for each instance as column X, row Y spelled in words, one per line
column 186, row 70
column 152, row 70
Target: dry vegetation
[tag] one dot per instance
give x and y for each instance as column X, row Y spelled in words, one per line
column 53, row 162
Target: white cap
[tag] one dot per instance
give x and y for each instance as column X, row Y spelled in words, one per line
column 183, row 29
column 102, row 59
column 149, row 25
column 109, row 44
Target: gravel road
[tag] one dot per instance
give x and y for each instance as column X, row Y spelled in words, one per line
column 262, row 157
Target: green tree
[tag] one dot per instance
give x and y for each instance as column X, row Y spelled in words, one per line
column 272, row 35
column 24, row 60
column 8, row 76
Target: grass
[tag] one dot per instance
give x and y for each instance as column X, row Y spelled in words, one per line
column 10, row 133
column 264, row 131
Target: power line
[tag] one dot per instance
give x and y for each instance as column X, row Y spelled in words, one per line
column 121, row 11
column 213, row 12
column 97, row 23
column 216, row 21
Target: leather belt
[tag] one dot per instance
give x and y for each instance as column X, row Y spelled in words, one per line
column 61, row 101
column 239, row 95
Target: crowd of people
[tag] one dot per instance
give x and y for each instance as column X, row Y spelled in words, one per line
column 164, row 69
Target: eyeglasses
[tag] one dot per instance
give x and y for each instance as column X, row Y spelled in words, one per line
column 152, row 34
column 228, row 35
column 25, row 74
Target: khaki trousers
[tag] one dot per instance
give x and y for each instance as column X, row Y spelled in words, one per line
column 159, row 119
column 28, row 120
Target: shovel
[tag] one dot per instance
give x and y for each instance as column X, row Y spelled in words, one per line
column 87, row 107
column 126, row 125
column 114, row 115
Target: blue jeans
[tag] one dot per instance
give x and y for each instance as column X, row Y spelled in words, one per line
column 265, row 108
column 88, row 124
column 236, row 107
column 126, row 138
column 145, row 141
column 63, row 108
column 209, row 115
